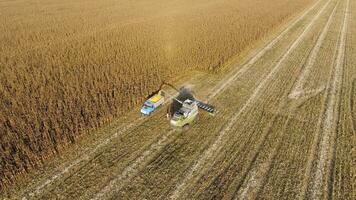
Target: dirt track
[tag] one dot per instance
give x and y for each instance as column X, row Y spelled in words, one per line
column 261, row 144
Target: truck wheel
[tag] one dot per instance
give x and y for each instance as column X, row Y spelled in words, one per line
column 186, row 127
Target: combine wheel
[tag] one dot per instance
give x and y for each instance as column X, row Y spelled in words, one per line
column 186, row 127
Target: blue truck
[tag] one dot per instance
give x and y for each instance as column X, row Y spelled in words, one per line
column 152, row 104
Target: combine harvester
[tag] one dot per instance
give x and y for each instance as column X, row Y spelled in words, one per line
column 184, row 109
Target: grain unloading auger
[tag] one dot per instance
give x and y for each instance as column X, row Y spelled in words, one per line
column 183, row 111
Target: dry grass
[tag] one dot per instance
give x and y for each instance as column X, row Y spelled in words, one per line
column 69, row 66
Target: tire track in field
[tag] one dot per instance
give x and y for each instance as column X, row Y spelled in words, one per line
column 254, row 183
column 133, row 168
column 331, row 117
column 298, row 91
column 218, row 144
column 316, row 135
column 352, row 105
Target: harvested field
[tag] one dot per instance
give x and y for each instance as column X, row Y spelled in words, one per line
column 285, row 127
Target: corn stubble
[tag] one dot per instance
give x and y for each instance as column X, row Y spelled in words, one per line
column 70, row 66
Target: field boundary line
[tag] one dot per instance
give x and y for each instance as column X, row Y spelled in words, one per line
column 252, row 183
column 332, row 110
column 216, row 146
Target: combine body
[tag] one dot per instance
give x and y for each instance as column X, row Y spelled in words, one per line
column 152, row 104
column 186, row 115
